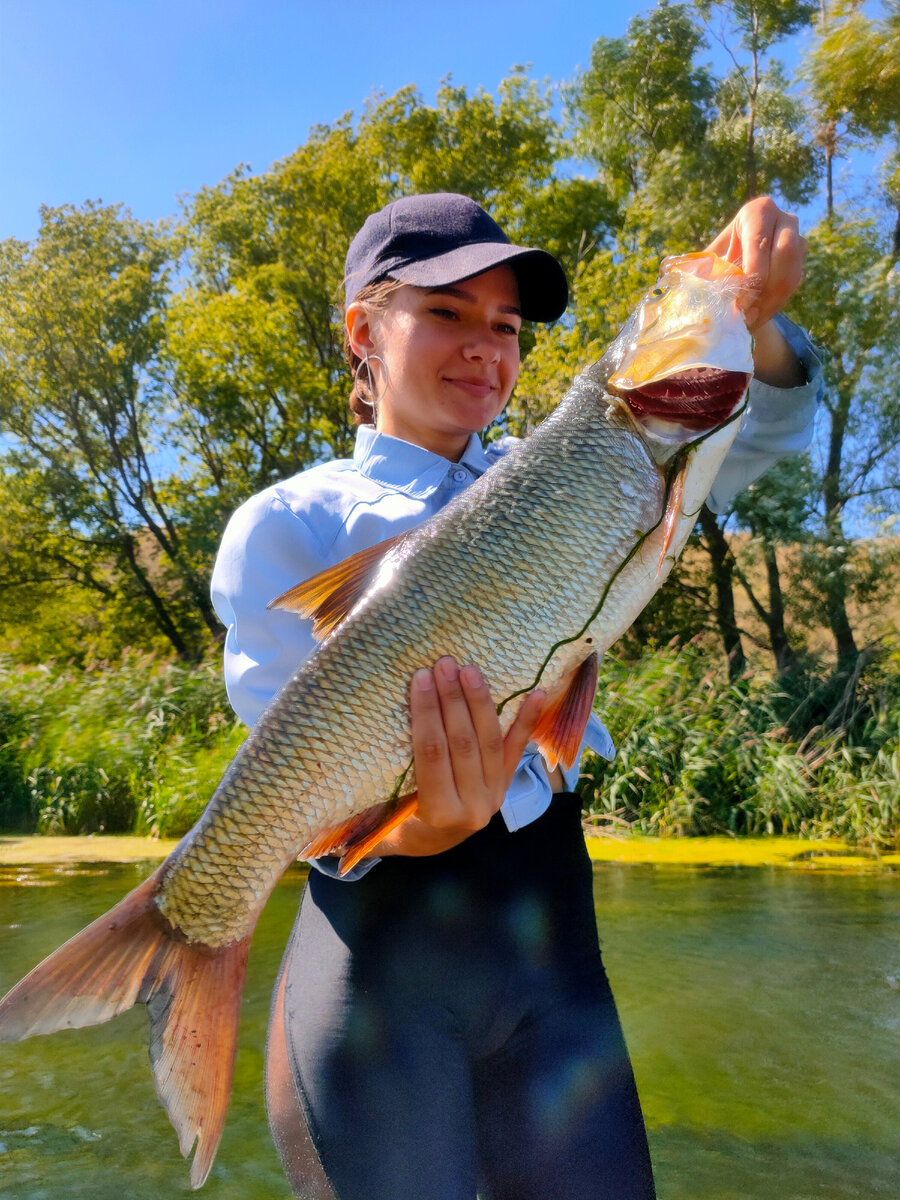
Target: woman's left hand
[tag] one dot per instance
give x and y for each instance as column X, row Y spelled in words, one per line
column 766, row 243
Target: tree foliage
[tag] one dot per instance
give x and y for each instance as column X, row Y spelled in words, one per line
column 152, row 377
column 82, row 319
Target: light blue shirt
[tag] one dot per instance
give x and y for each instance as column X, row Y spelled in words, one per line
column 297, row 528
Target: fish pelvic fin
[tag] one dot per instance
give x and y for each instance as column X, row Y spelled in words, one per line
column 328, row 597
column 360, row 834
column 674, row 504
column 560, row 731
column 192, row 993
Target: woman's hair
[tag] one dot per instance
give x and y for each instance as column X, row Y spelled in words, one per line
column 375, row 297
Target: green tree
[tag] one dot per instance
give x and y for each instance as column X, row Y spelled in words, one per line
column 850, row 302
column 753, row 103
column 776, row 510
column 641, row 111
column 81, row 321
column 853, row 75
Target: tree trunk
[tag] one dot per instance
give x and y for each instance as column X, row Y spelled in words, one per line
column 723, row 572
column 165, row 622
column 836, row 552
column 785, row 658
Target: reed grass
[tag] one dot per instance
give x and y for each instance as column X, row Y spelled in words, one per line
column 135, row 745
column 700, row 755
column 138, row 745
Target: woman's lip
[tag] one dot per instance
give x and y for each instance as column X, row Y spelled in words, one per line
column 480, row 388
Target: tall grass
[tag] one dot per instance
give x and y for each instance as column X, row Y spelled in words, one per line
column 140, row 744
column 134, row 744
column 699, row 755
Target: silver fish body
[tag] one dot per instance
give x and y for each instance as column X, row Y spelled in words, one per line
column 515, row 564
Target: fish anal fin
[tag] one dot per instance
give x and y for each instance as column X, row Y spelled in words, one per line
column 328, row 597
column 560, row 731
column 192, row 993
column 358, row 836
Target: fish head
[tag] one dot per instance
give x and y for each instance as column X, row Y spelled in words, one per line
column 678, row 373
column 684, row 360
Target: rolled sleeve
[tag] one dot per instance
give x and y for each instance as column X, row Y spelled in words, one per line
column 265, row 550
column 776, row 423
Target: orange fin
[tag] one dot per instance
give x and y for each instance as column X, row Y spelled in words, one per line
column 193, row 997
column 560, row 731
column 356, row 837
column 673, row 512
column 329, row 596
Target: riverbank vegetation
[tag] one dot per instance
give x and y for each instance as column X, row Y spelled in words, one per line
column 138, row 746
column 154, row 376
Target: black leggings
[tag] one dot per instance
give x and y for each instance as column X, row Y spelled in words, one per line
column 445, row 1024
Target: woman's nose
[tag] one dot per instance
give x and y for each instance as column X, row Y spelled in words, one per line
column 482, row 347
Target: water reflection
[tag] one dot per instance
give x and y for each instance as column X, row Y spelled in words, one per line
column 762, row 1009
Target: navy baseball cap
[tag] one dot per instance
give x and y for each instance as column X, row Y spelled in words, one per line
column 442, row 238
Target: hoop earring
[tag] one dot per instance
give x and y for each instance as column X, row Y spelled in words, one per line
column 373, row 403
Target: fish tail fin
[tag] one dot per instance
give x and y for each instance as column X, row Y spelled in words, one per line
column 192, row 993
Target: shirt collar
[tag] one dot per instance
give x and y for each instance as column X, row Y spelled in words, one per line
column 405, row 467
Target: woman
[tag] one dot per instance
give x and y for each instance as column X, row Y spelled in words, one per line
column 442, row 1022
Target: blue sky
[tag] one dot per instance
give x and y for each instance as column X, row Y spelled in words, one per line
column 141, row 100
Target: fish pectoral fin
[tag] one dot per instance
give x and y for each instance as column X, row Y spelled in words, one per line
column 673, row 512
column 329, row 596
column 358, row 836
column 193, row 997
column 560, row 731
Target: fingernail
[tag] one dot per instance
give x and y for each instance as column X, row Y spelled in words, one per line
column 448, row 668
column 422, row 680
column 471, row 676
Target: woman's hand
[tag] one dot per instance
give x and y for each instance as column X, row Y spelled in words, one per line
column 766, row 243
column 464, row 764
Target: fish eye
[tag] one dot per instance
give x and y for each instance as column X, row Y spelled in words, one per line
column 658, row 292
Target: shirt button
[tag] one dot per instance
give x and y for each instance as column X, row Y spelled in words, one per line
column 460, row 476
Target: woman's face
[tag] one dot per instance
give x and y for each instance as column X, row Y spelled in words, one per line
column 452, row 355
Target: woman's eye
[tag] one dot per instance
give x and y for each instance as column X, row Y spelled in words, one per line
column 444, row 312
column 505, row 327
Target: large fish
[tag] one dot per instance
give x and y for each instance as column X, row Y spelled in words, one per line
column 531, row 574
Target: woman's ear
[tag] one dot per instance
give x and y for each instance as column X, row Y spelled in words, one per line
column 358, row 322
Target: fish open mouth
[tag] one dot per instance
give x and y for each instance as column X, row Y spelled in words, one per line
column 699, row 398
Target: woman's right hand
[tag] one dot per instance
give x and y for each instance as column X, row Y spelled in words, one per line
column 464, row 763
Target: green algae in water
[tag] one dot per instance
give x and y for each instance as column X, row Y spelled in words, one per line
column 762, row 1009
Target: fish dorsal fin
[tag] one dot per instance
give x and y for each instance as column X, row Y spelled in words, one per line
column 560, row 731
column 328, row 597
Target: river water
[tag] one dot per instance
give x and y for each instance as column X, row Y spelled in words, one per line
column 762, row 1008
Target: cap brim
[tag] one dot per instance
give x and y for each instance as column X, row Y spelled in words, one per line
column 543, row 289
